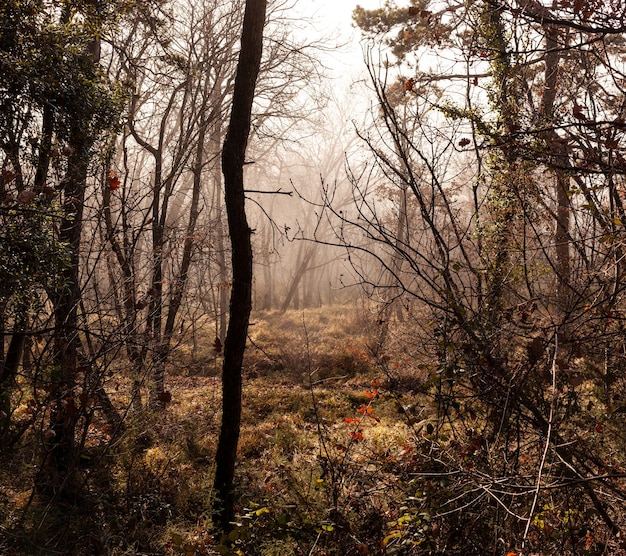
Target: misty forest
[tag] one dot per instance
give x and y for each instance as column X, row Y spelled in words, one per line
column 289, row 277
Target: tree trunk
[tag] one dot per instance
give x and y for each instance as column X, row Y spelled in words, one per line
column 233, row 154
column 301, row 269
column 558, row 151
column 129, row 309
column 8, row 373
column 155, row 312
column 57, row 474
column 58, row 477
column 221, row 304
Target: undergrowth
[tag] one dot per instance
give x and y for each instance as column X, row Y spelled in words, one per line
column 348, row 446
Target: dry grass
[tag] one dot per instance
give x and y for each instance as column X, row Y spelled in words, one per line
column 340, row 453
column 305, row 373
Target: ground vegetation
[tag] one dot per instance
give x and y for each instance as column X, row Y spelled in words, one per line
column 438, row 369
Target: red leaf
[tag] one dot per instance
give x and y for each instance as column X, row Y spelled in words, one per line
column 356, row 435
column 114, row 181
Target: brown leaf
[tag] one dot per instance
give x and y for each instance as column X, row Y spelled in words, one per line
column 8, row 176
column 217, row 345
column 114, row 181
column 165, row 397
column 26, row 196
column 575, row 379
column 578, row 112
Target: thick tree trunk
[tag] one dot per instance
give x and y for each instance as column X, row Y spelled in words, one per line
column 57, row 474
column 558, row 150
column 58, row 477
column 8, row 372
column 233, row 154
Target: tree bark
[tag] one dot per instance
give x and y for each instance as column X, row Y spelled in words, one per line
column 8, row 372
column 61, row 449
column 57, row 474
column 233, row 153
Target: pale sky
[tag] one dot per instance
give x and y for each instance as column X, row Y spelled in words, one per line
column 332, row 19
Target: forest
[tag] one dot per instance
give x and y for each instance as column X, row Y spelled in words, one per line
column 249, row 306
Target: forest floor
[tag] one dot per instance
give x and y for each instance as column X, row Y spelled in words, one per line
column 318, row 427
column 343, row 451
column 317, row 423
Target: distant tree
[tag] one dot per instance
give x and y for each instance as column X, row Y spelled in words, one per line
column 164, row 219
column 175, row 121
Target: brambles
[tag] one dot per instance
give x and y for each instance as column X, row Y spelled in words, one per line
column 374, row 464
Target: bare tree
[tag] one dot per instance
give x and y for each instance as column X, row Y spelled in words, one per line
column 233, row 159
column 510, row 235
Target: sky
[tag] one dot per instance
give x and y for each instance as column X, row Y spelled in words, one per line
column 333, row 19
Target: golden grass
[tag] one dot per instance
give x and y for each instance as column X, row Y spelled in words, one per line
column 306, row 373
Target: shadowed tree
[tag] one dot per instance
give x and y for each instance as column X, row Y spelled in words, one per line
column 56, row 104
column 233, row 155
